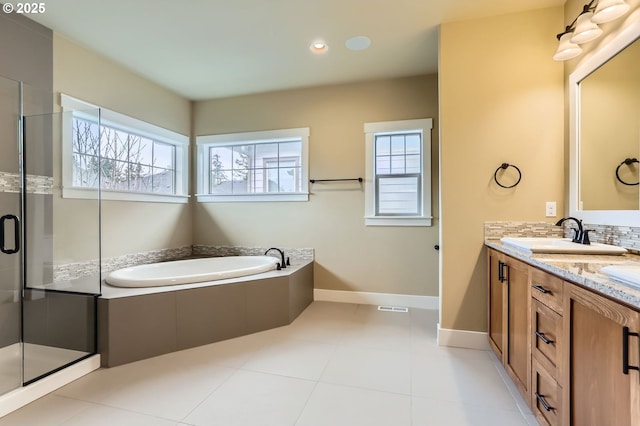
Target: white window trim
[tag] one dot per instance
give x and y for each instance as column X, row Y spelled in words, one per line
column 424, row 125
column 126, row 123
column 203, row 143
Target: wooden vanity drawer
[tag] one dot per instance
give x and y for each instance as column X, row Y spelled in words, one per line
column 546, row 337
column 547, row 289
column 546, row 396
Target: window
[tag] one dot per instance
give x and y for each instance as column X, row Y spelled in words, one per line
column 398, row 189
column 127, row 158
column 256, row 166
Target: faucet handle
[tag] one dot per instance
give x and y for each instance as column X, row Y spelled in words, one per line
column 585, row 237
column 576, row 235
column 288, row 261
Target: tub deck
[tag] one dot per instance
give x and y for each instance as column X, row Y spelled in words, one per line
column 140, row 323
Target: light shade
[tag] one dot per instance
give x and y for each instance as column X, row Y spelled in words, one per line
column 585, row 30
column 566, row 49
column 608, row 10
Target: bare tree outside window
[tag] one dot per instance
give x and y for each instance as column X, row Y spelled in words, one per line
column 124, row 161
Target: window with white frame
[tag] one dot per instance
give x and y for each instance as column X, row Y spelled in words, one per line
column 126, row 158
column 254, row 166
column 398, row 170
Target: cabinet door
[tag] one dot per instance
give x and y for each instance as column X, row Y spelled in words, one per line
column 496, row 304
column 596, row 390
column 517, row 357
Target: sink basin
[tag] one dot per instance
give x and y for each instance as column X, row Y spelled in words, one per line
column 560, row 245
column 627, row 274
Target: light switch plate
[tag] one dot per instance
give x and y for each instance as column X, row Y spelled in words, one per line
column 550, row 209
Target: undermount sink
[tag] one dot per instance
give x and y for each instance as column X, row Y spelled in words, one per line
column 559, row 245
column 627, row 274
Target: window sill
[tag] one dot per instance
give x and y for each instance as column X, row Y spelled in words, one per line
column 92, row 194
column 240, row 198
column 398, row 221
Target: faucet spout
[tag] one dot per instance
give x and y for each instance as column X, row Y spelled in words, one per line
column 580, row 236
column 281, row 255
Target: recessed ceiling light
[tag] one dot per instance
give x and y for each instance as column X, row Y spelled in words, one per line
column 358, row 43
column 319, row 47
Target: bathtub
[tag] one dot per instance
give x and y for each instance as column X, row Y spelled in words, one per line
column 190, row 271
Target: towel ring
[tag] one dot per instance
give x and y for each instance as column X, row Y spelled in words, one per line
column 628, row 162
column 505, row 166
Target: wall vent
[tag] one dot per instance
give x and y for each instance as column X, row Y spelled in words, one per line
column 393, row 309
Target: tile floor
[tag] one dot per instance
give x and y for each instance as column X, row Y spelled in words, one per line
column 337, row 364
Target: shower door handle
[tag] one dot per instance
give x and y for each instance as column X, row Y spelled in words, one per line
column 16, row 234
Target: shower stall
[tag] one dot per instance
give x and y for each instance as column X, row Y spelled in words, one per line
column 49, row 246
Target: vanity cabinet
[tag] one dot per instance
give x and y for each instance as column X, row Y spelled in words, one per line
column 509, row 326
column 573, row 353
column 547, row 343
column 600, row 338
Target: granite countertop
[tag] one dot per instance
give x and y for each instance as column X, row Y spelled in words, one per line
column 581, row 269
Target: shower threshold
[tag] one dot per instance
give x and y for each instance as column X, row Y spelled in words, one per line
column 47, row 370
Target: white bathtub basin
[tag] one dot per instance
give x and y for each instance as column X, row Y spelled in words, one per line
column 559, row 245
column 627, row 274
column 190, row 271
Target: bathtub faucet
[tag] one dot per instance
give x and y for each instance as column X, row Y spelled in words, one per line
column 284, row 264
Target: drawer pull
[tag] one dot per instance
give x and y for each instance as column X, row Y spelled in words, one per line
column 625, row 351
column 501, row 276
column 544, row 338
column 544, row 402
column 541, row 289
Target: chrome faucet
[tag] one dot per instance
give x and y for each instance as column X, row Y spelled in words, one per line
column 580, row 235
column 283, row 264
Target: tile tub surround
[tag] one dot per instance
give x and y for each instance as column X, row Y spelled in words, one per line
column 140, row 323
column 76, row 270
column 580, row 269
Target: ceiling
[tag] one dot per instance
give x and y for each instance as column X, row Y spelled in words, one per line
column 204, row 49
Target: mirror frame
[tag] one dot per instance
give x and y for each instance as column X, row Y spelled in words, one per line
column 605, row 217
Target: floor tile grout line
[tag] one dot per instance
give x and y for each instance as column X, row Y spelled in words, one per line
column 213, row 391
column 101, row 404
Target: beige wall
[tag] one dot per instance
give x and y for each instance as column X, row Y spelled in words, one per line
column 349, row 256
column 128, row 227
column 501, row 100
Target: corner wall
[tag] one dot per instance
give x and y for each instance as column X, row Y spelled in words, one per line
column 348, row 255
column 501, row 100
column 128, row 227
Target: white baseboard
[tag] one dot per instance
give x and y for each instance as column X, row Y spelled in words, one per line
column 20, row 397
column 366, row 298
column 463, row 339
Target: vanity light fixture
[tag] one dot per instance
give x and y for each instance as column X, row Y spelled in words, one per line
column 566, row 48
column 585, row 28
column 608, row 10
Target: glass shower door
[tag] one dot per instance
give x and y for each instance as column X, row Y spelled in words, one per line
column 10, row 256
column 62, row 251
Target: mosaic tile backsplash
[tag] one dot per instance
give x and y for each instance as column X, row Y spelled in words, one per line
column 621, row 236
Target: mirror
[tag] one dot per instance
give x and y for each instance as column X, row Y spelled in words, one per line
column 605, row 133
column 610, row 133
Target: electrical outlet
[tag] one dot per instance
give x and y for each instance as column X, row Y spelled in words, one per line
column 550, row 209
